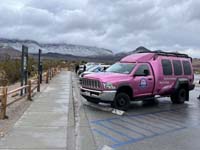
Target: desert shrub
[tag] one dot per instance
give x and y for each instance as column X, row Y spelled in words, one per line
column 11, row 69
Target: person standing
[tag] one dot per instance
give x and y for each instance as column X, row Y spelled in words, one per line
column 84, row 68
column 77, row 68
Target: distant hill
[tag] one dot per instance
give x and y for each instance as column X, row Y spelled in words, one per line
column 140, row 49
column 62, row 48
column 9, row 52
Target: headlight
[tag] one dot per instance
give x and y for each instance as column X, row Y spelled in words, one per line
column 109, row 86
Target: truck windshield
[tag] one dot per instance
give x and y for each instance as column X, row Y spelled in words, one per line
column 124, row 68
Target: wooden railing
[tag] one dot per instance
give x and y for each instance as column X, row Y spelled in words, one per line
column 30, row 88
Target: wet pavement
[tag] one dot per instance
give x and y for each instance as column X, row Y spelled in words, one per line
column 59, row 118
column 145, row 126
column 44, row 124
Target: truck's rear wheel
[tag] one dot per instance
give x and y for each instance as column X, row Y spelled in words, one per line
column 180, row 96
column 122, row 101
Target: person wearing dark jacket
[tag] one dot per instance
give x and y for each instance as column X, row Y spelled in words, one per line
column 76, row 68
column 84, row 68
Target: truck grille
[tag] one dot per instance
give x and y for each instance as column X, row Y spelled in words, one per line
column 93, row 84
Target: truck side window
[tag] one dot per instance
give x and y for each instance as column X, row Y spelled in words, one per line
column 167, row 67
column 177, row 67
column 187, row 68
column 142, row 70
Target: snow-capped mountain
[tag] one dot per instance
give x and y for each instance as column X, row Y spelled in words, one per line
column 71, row 49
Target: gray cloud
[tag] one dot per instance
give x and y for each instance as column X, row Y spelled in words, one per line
column 119, row 25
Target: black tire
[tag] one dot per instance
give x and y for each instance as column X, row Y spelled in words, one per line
column 180, row 96
column 122, row 101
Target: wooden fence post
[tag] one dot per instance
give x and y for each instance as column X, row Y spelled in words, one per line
column 56, row 70
column 4, row 103
column 50, row 74
column 53, row 72
column 29, row 90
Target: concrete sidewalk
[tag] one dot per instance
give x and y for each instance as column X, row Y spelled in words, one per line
column 44, row 124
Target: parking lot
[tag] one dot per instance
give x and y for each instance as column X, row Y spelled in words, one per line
column 159, row 125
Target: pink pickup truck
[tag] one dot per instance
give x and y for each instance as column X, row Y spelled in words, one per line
column 141, row 76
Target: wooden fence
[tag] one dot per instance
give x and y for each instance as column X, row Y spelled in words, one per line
column 31, row 88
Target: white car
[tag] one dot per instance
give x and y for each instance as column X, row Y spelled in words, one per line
column 94, row 69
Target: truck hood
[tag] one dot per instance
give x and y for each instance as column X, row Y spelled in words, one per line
column 108, row 77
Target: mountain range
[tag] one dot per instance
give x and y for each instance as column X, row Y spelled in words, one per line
column 62, row 48
column 11, row 48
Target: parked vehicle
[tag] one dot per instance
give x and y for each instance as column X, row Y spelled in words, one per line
column 90, row 64
column 140, row 77
column 81, row 68
column 94, row 69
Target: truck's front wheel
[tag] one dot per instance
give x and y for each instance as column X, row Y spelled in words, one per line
column 122, row 101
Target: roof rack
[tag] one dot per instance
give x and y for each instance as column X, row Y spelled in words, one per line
column 168, row 54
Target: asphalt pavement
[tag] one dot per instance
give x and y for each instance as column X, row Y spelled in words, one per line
column 145, row 126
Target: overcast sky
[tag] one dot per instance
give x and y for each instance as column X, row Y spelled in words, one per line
column 119, row 25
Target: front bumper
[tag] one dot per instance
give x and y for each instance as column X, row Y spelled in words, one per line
column 100, row 96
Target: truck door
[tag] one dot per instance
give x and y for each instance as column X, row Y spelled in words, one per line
column 143, row 80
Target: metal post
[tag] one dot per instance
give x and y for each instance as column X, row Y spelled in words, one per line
column 24, row 67
column 40, row 65
column 38, row 83
column 41, row 71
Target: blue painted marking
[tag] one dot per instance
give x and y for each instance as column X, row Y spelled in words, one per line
column 137, row 116
column 113, row 130
column 143, row 122
column 170, row 118
column 162, row 123
column 106, row 136
column 133, row 124
column 108, row 119
column 169, row 121
column 127, row 128
column 168, row 110
column 100, row 120
column 140, row 139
